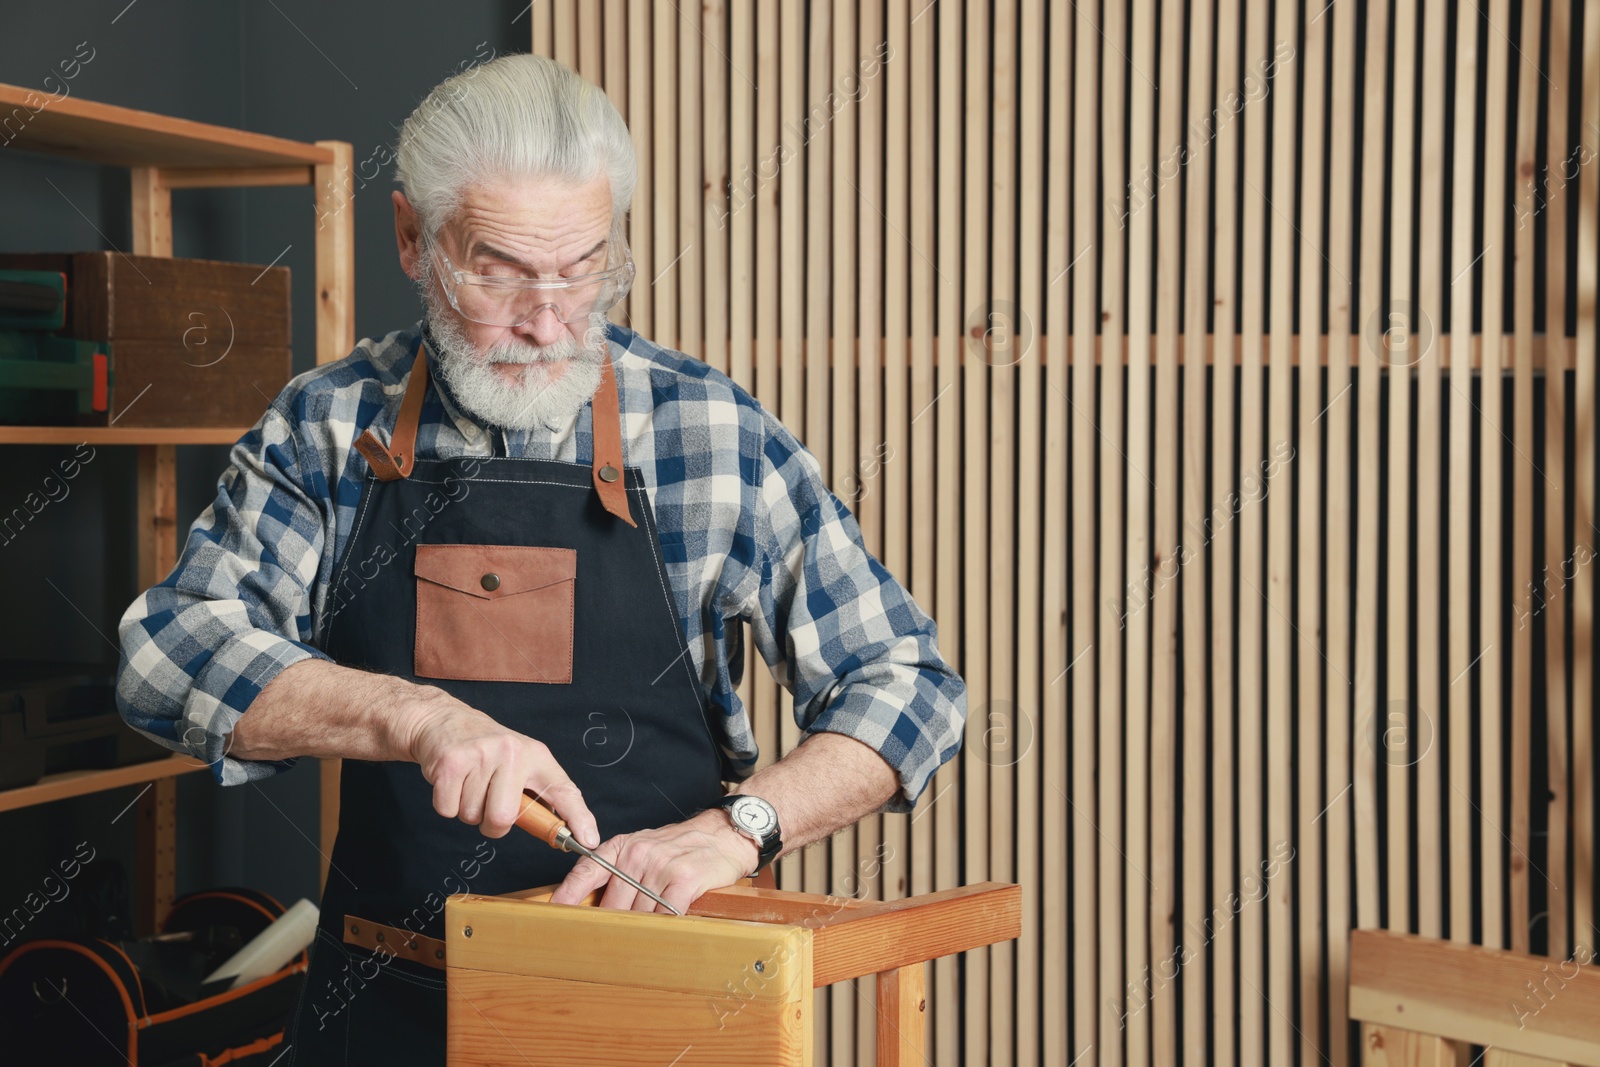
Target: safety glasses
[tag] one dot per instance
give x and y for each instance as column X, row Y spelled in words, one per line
column 494, row 300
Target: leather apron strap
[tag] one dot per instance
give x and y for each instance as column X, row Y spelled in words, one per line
column 393, row 461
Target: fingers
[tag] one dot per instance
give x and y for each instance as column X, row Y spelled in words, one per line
column 585, row 877
column 502, row 803
column 551, row 784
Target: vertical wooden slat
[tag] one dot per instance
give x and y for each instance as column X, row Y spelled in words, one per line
column 668, row 263
column 841, row 403
column 1335, row 814
column 1461, row 652
column 1522, row 472
column 1113, row 324
column 737, row 313
column 1253, row 603
column 948, row 816
column 1190, row 565
column 1491, row 832
column 641, row 99
column 725, row 116
column 1224, row 588
column 791, row 331
column 1164, row 683
column 1054, row 729
column 1553, row 593
column 976, row 663
column 691, row 188
column 541, row 16
column 1316, row 278
column 565, row 23
column 1369, row 317
column 589, row 42
column 1583, row 515
column 616, row 46
column 1139, row 227
column 1397, row 712
column 1089, row 994
column 1428, row 750
column 1005, row 820
column 757, row 191
column 1276, row 471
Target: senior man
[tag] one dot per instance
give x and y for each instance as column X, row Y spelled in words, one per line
column 510, row 548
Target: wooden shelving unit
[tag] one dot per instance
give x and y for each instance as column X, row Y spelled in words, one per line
column 165, row 153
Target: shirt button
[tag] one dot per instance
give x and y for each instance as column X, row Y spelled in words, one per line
column 491, row 582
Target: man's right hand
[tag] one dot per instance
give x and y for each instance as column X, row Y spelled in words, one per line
column 479, row 768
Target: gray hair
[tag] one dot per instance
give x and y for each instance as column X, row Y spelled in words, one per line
column 513, row 116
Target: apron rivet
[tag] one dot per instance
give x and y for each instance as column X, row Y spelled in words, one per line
column 380, row 936
column 438, row 953
column 608, row 473
column 490, row 581
column 354, row 929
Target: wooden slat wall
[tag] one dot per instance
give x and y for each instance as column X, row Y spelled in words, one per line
column 1235, row 425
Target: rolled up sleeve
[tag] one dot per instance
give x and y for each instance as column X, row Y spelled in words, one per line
column 860, row 657
column 234, row 612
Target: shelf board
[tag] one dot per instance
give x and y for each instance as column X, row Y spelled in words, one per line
column 81, row 783
column 121, row 435
column 105, row 133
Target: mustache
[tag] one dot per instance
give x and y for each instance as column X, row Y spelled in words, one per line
column 518, row 352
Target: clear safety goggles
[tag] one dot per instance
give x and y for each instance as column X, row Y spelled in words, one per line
column 496, row 300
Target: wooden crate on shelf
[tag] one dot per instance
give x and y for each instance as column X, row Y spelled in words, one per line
column 194, row 342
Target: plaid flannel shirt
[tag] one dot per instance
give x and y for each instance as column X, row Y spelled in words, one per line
column 748, row 530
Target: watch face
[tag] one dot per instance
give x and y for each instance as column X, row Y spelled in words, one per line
column 754, row 816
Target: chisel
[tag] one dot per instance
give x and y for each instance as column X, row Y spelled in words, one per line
column 549, row 827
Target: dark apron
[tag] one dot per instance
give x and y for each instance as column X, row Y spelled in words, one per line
column 591, row 620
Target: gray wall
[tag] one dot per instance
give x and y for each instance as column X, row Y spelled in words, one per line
column 292, row 68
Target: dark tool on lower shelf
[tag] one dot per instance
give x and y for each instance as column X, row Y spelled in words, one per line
column 550, row 828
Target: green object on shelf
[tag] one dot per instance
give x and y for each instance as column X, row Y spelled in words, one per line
column 46, row 379
column 33, row 300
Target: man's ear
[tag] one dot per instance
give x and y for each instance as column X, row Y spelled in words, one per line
column 407, row 234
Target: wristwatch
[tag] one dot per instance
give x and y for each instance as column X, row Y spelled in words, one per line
column 757, row 820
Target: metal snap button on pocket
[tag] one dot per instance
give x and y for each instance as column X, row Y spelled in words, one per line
column 490, row 581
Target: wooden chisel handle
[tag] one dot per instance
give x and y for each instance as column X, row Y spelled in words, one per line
column 540, row 821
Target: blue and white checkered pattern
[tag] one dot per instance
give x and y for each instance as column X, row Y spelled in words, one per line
column 748, row 530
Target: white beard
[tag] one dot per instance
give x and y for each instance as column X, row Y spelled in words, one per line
column 540, row 399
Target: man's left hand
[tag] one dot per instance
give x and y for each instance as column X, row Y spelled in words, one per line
column 680, row 862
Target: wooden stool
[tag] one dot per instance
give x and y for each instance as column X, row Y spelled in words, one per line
column 535, row 982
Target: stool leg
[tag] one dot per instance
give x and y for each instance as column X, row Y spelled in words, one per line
column 902, row 1016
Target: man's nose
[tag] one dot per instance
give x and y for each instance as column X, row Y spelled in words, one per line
column 544, row 328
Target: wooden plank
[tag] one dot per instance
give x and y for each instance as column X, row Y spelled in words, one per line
column 235, row 177
column 618, row 39
column 1477, row 995
column 1554, row 594
column 1113, row 867
column 589, row 43
column 121, row 435
column 1224, row 951
column 152, row 213
column 1461, row 650
column 1138, row 224
column 1427, row 751
column 641, row 224
column 1033, row 631
column 156, row 851
column 336, row 255
column 53, row 787
column 1398, row 718
column 946, row 999
column 975, row 553
column 1336, row 813
column 724, row 117
column 997, row 362
column 1523, row 475
column 1495, row 1058
column 1277, row 470
column 902, row 1019
column 1253, row 603
column 540, row 17
column 666, row 147
column 102, row 133
column 1303, row 832
column 890, row 934
column 1054, row 729
column 157, row 502
column 1491, row 831
column 564, row 22
column 489, row 1021
column 1190, row 565
column 691, row 190
column 839, row 386
column 1584, row 930
column 1370, row 310
column 1385, row 1045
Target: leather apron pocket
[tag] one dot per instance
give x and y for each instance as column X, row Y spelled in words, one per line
column 495, row 613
